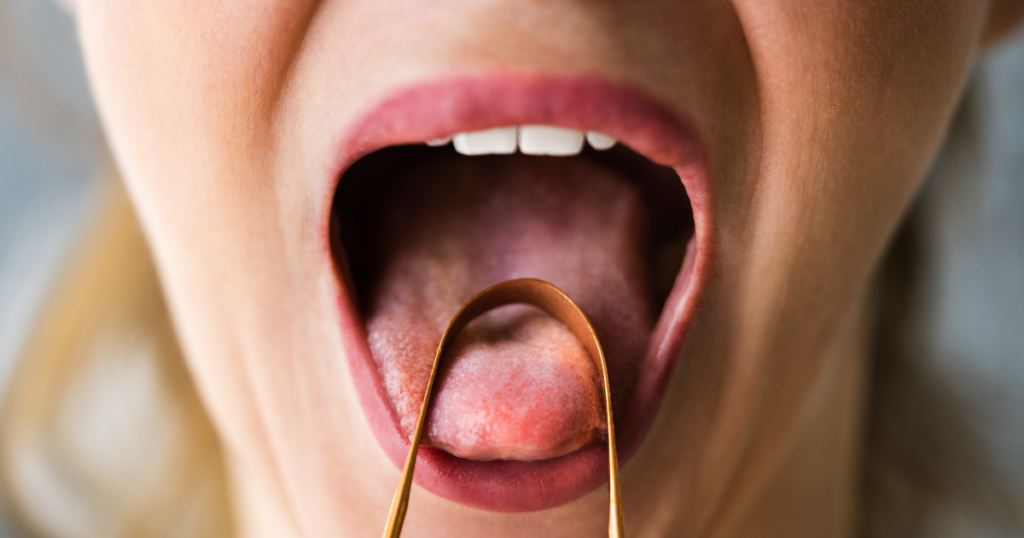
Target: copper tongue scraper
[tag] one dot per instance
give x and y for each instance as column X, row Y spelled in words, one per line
column 554, row 301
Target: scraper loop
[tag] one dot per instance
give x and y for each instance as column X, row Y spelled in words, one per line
column 555, row 302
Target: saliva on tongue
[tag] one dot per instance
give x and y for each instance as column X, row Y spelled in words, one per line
column 518, row 384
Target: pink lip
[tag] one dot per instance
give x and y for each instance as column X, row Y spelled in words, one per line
column 438, row 109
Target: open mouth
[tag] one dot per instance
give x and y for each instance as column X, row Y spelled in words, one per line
column 421, row 224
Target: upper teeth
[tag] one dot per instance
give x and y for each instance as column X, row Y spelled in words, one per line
column 544, row 140
column 529, row 139
column 501, row 141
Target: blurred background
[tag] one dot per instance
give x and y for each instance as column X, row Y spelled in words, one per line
column 51, row 149
column 52, row 156
column 970, row 326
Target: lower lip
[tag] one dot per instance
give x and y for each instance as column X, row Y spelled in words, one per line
column 436, row 110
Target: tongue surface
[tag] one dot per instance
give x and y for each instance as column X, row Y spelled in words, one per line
column 519, row 385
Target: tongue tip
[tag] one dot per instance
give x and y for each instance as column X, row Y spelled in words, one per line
column 520, row 387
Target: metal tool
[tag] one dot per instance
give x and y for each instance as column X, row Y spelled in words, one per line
column 555, row 302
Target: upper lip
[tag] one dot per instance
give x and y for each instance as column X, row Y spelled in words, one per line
column 440, row 108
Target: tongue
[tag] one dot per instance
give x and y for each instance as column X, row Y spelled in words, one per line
column 518, row 385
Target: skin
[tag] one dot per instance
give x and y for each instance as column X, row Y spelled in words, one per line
column 819, row 120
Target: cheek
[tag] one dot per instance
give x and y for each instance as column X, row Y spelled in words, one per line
column 855, row 96
column 186, row 93
column 183, row 87
column 865, row 82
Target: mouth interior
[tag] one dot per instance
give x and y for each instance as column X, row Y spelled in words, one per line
column 423, row 230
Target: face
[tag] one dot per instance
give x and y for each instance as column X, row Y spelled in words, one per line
column 313, row 248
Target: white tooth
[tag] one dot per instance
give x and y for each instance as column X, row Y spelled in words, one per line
column 438, row 142
column 546, row 140
column 600, row 141
column 501, row 140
